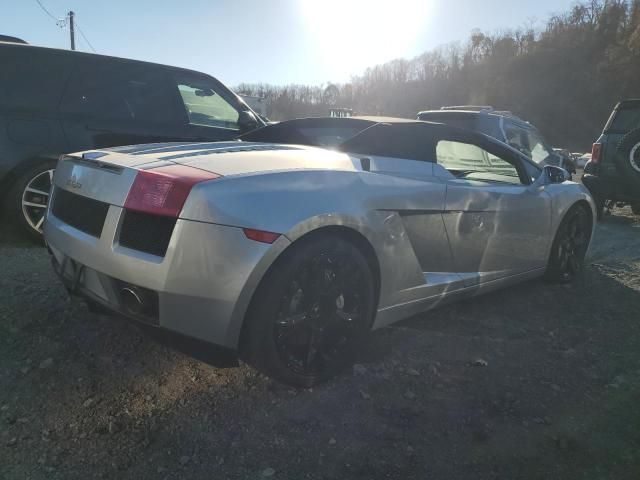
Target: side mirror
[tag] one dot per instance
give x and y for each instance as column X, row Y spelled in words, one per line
column 247, row 121
column 555, row 174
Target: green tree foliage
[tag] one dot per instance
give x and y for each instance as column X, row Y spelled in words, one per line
column 564, row 78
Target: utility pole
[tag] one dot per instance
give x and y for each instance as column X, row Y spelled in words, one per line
column 72, row 31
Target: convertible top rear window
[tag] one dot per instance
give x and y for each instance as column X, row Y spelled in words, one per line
column 406, row 140
column 315, row 132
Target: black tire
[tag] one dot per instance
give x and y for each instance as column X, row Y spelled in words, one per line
column 635, row 208
column 628, row 158
column 310, row 312
column 28, row 218
column 569, row 246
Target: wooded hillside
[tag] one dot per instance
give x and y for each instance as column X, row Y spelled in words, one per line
column 564, row 78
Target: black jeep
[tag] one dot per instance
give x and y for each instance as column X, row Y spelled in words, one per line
column 613, row 173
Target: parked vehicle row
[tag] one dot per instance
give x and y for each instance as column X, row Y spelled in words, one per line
column 282, row 244
column 58, row 101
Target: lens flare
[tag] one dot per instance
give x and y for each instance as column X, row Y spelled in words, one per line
column 351, row 35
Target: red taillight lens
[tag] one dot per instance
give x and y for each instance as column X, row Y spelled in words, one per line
column 163, row 190
column 596, row 153
column 260, row 236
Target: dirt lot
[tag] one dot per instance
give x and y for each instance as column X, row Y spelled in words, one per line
column 536, row 381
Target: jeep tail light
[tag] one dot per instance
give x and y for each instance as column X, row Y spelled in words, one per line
column 596, row 153
column 163, row 190
column 260, row 235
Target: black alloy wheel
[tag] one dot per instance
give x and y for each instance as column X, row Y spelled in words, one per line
column 570, row 245
column 312, row 312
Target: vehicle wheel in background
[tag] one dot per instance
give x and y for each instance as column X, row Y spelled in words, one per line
column 310, row 312
column 628, row 158
column 28, row 198
column 569, row 246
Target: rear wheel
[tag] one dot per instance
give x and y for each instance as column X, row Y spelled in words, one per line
column 569, row 246
column 310, row 312
column 28, row 198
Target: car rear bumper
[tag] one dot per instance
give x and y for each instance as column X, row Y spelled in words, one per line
column 609, row 189
column 213, row 354
column 200, row 288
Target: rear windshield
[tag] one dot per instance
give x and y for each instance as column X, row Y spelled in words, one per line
column 624, row 119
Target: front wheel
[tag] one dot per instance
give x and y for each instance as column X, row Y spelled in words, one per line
column 310, row 312
column 569, row 246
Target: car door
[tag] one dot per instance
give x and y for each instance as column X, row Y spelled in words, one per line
column 497, row 223
column 111, row 102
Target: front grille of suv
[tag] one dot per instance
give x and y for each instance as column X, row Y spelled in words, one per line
column 146, row 232
column 85, row 214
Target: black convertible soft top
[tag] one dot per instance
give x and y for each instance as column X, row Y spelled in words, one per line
column 380, row 136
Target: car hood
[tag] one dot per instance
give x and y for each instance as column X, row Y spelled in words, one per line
column 223, row 158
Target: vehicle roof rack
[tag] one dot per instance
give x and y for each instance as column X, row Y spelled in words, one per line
column 475, row 108
column 507, row 113
column 486, row 109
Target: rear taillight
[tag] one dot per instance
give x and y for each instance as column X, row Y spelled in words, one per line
column 163, row 190
column 596, row 153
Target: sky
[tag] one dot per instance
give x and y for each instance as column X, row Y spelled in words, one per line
column 270, row 41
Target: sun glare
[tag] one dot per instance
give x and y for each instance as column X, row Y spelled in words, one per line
column 351, row 35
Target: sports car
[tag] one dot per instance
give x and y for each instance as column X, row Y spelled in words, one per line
column 287, row 246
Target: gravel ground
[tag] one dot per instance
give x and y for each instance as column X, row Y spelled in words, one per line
column 535, row 381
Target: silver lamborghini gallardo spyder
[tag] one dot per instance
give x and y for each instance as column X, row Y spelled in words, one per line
column 289, row 244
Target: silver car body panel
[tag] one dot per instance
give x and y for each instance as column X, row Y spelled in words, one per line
column 435, row 238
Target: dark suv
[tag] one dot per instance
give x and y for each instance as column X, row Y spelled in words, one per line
column 613, row 173
column 58, row 101
column 503, row 126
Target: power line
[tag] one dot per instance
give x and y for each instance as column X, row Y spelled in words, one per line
column 85, row 37
column 44, row 9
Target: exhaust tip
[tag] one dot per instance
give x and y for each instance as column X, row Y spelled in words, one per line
column 132, row 300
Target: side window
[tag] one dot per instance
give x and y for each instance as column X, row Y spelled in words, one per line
column 121, row 91
column 203, row 105
column 468, row 161
column 517, row 138
column 625, row 120
column 539, row 151
column 31, row 78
